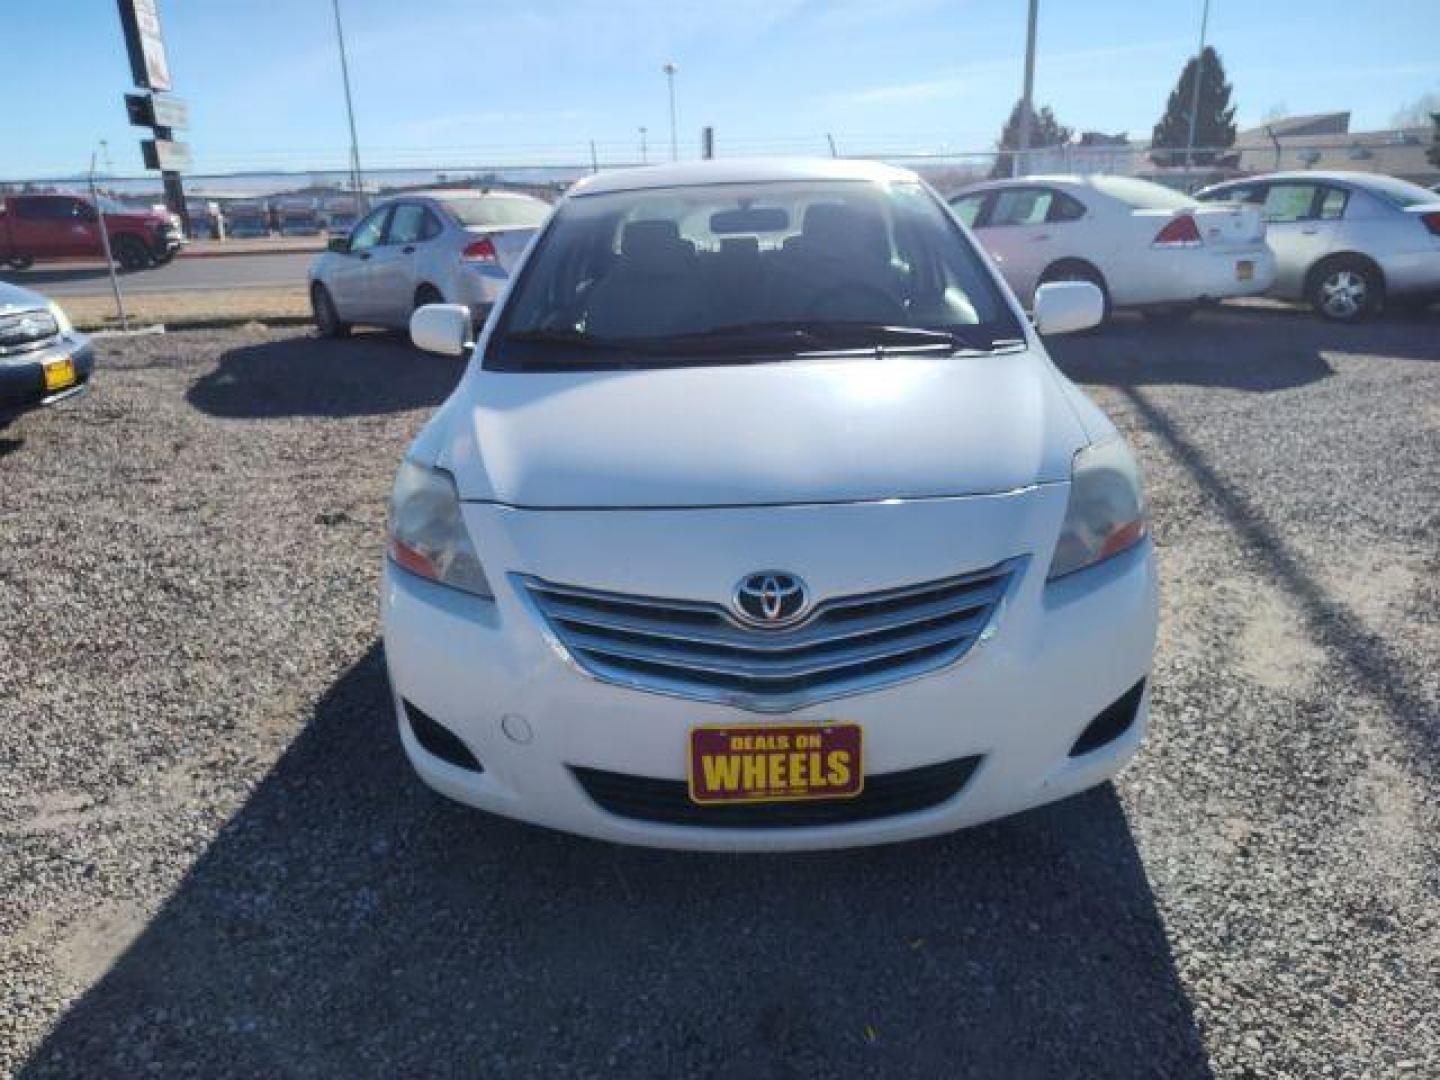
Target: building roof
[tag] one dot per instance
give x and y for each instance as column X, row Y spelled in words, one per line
column 1334, row 123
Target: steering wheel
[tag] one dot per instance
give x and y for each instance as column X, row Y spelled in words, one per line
column 845, row 298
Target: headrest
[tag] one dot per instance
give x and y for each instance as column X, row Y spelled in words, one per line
column 653, row 242
column 841, row 230
column 740, row 248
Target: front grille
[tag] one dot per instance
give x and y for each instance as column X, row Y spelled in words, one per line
column 698, row 650
column 667, row 802
column 26, row 330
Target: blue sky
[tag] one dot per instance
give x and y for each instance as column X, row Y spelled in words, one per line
column 509, row 81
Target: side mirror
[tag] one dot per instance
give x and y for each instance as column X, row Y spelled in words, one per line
column 1063, row 307
column 339, row 244
column 441, row 328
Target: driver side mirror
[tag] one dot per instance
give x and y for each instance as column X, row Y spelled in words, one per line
column 1063, row 307
column 339, row 244
column 441, row 328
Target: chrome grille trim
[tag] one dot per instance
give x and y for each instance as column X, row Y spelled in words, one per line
column 699, row 650
column 26, row 331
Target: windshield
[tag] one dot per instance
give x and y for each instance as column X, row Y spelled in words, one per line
column 1399, row 193
column 714, row 273
column 497, row 212
column 1142, row 194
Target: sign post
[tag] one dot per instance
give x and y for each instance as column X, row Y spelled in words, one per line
column 158, row 109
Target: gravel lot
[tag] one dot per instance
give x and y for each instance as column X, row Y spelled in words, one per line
column 214, row 861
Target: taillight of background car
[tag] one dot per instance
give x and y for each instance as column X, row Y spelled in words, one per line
column 482, row 250
column 1180, row 231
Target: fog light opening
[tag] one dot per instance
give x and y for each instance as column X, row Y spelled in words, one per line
column 435, row 738
column 1112, row 722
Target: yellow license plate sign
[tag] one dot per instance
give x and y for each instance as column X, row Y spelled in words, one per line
column 759, row 763
column 59, row 374
column 1244, row 270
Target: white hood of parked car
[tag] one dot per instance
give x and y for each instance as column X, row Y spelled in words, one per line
column 802, row 431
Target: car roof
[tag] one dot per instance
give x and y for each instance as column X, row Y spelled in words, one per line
column 1339, row 176
column 739, row 171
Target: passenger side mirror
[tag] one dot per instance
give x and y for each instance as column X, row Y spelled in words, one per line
column 441, row 328
column 1063, row 307
column 339, row 244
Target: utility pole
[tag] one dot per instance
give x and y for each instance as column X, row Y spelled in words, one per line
column 1195, row 92
column 357, row 179
column 644, row 150
column 670, row 69
column 105, row 243
column 1027, row 102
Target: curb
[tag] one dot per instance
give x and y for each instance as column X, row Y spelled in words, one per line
column 252, row 251
column 228, row 322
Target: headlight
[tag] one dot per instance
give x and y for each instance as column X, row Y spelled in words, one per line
column 1106, row 514
column 427, row 534
column 59, row 316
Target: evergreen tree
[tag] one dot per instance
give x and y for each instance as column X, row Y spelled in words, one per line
column 1215, row 118
column 1045, row 130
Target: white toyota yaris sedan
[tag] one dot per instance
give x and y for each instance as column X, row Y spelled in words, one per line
column 761, row 520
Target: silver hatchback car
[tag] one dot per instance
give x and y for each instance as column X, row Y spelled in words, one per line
column 453, row 246
column 1346, row 242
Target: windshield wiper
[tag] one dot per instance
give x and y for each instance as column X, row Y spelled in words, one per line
column 822, row 335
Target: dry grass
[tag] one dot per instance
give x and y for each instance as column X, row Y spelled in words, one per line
column 191, row 307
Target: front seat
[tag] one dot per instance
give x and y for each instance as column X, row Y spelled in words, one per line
column 653, row 289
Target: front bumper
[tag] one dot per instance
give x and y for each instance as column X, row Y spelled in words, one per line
column 22, row 376
column 1017, row 702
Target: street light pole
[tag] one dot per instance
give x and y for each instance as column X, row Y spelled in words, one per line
column 1195, row 90
column 670, row 69
column 105, row 242
column 357, row 182
column 1027, row 102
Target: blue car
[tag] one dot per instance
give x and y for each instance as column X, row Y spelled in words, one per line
column 43, row 360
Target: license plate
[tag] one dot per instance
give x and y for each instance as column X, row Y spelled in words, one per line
column 59, row 374
column 1244, row 270
column 760, row 763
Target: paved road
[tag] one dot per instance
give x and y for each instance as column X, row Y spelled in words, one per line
column 228, row 272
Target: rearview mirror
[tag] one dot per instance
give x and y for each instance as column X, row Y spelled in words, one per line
column 441, row 328
column 1063, row 307
column 339, row 244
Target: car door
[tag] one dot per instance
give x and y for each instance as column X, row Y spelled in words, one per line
column 1295, row 230
column 347, row 274
column 1015, row 228
column 392, row 269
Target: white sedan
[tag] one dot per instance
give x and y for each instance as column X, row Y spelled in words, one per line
column 760, row 519
column 1144, row 245
column 453, row 246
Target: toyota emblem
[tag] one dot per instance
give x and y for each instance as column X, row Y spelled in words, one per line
column 772, row 599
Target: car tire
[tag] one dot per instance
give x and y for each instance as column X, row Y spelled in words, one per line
column 1079, row 271
column 1346, row 289
column 21, row 262
column 1171, row 315
column 131, row 253
column 327, row 317
column 427, row 294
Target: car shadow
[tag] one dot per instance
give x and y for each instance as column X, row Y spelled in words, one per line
column 345, row 921
column 367, row 375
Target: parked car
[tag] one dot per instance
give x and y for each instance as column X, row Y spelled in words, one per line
column 455, row 246
column 761, row 519
column 43, row 360
column 1144, row 245
column 40, row 227
column 247, row 220
column 1345, row 242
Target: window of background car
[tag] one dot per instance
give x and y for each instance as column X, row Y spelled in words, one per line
column 1332, row 203
column 1289, row 202
column 1021, row 206
column 1141, row 194
column 1064, row 208
column 407, row 224
column 673, row 263
column 497, row 211
column 367, row 233
column 967, row 207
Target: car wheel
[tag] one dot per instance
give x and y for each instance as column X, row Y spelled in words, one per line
column 1079, row 271
column 131, row 253
column 327, row 318
column 1173, row 315
column 22, row 262
column 1346, row 290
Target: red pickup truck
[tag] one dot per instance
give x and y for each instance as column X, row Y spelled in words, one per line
column 65, row 227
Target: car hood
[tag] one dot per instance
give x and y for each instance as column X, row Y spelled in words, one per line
column 832, row 430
